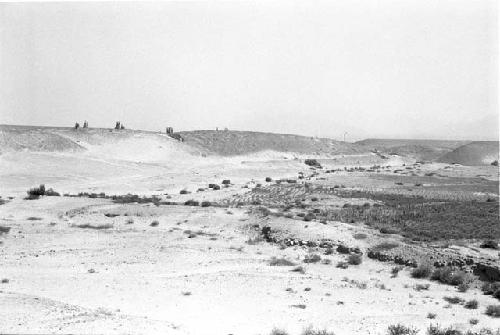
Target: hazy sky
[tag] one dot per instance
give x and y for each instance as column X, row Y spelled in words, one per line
column 425, row 69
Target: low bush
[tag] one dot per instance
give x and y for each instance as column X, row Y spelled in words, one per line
column 388, row 230
column 277, row 331
column 424, row 270
column 454, row 300
column 280, row 262
column 400, row 329
column 471, row 304
column 155, row 223
column 355, row 259
column 192, row 202
column 95, row 226
column 490, row 288
column 493, row 311
column 206, row 204
column 489, row 244
column 451, row 276
column 312, row 331
column 312, row 258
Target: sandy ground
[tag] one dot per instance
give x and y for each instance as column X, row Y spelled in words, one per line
column 196, row 272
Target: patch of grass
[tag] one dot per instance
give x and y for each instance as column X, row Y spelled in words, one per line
column 280, row 262
column 400, row 329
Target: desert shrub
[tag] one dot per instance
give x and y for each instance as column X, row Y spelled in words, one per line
column 463, row 287
column 342, row 265
column 422, row 271
column 312, row 258
column 395, row 271
column 471, row 304
column 355, row 259
column 436, row 330
column 431, row 315
column 496, row 294
column 269, row 179
column 51, row 193
column 206, row 204
column 277, row 331
column 451, row 276
column 192, row 202
column 184, row 192
column 312, row 331
column 494, row 163
column 473, row 321
column 489, row 244
column 360, row 236
column 422, row 287
column 155, row 223
column 280, row 262
column 388, row 230
column 400, row 329
column 226, row 182
column 309, row 217
column 94, row 226
column 37, row 191
column 490, row 288
column 312, row 163
column 493, row 310
column 299, row 269
column 454, row 300
column 4, row 230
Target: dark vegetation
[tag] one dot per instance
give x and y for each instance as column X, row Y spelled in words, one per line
column 37, row 192
column 423, row 219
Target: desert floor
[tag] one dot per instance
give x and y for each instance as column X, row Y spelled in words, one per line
column 201, row 270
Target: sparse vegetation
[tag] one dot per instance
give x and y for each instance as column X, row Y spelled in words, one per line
column 94, row 226
column 471, row 304
column 280, row 262
column 312, row 258
column 311, row 331
column 493, row 311
column 355, row 259
column 424, row 270
column 400, row 329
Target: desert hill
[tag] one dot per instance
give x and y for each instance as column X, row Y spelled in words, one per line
column 224, row 143
column 228, row 143
column 475, row 153
column 426, row 150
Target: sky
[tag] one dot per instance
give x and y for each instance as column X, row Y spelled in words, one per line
column 387, row 69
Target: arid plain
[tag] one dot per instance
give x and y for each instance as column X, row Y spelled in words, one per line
column 232, row 232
